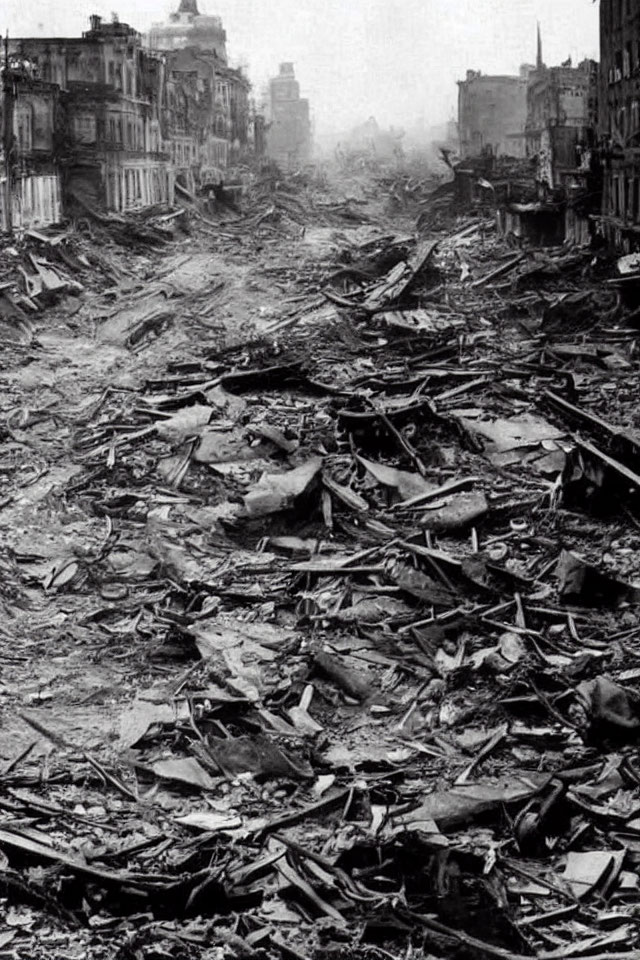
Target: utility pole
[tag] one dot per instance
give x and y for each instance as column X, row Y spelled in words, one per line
column 7, row 135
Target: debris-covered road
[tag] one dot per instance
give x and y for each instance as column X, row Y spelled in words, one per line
column 320, row 584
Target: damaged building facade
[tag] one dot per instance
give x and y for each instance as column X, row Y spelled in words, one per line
column 548, row 188
column 194, row 48
column 30, row 115
column 561, row 141
column 561, row 120
column 619, row 121
column 288, row 138
column 102, row 121
column 109, row 137
column 492, row 114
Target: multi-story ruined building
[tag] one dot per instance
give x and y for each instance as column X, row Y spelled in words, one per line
column 194, row 47
column 561, row 119
column 619, row 119
column 537, row 148
column 492, row 114
column 288, row 139
column 103, row 121
column 107, row 138
column 561, row 138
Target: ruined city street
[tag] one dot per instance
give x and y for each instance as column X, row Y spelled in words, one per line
column 318, row 629
column 320, row 481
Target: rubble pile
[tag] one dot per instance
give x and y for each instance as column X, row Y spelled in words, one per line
column 279, row 203
column 320, row 598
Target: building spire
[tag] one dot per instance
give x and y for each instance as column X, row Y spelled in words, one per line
column 539, row 63
column 189, row 6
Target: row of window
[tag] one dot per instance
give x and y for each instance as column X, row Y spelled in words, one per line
column 184, row 153
column 132, row 188
column 127, row 131
column 625, row 62
column 122, row 76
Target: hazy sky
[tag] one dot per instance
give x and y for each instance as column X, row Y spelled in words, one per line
column 397, row 60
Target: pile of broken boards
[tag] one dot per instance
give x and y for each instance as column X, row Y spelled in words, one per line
column 407, row 714
column 58, row 268
column 39, row 271
column 151, row 227
column 409, row 193
column 279, row 205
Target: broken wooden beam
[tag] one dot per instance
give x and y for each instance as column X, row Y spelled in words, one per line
column 500, row 271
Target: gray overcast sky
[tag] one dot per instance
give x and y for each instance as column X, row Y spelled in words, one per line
column 395, row 59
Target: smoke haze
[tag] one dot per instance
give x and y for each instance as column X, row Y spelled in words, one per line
column 395, row 59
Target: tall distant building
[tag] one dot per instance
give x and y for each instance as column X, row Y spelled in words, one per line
column 492, row 114
column 288, row 139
